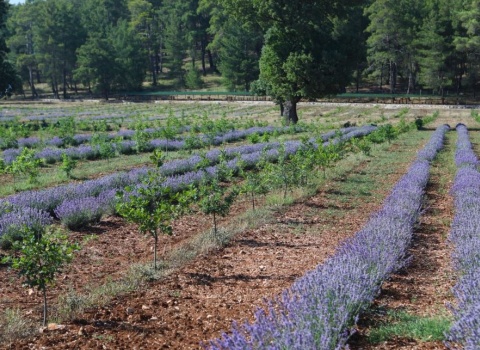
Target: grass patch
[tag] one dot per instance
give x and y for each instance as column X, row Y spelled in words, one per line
column 404, row 325
column 14, row 326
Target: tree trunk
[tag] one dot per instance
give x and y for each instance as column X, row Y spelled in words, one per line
column 381, row 78
column 282, row 109
column 410, row 82
column 214, row 225
column 210, row 61
column 204, row 69
column 290, row 111
column 54, row 89
column 45, row 308
column 32, row 82
column 155, row 252
column 393, row 76
column 64, row 83
column 153, row 61
column 357, row 80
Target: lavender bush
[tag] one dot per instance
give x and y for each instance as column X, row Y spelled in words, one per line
column 81, row 151
column 465, row 331
column 317, row 311
column 15, row 222
column 78, row 213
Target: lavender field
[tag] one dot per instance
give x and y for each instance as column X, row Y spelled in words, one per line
column 332, row 209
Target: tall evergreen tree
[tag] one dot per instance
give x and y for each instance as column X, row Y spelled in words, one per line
column 175, row 42
column 467, row 42
column 393, row 26
column 435, row 51
column 145, row 20
column 21, row 42
column 239, row 52
column 58, row 35
column 8, row 74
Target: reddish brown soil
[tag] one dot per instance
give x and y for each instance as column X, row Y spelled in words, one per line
column 199, row 301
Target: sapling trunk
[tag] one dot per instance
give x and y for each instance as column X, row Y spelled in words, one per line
column 253, row 200
column 45, row 307
column 214, row 225
column 155, row 251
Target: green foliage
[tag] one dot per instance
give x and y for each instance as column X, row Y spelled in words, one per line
column 153, row 207
column 383, row 133
column 215, row 197
column 8, row 138
column 308, row 44
column 68, row 164
column 25, row 165
column 193, row 142
column 40, row 259
column 157, row 158
column 392, row 28
column 239, row 54
column 141, row 139
column 168, row 132
column 326, row 157
column 419, row 123
column 363, row 145
column 107, row 150
column 255, row 181
column 193, row 79
column 111, row 59
column 65, row 127
column 282, row 174
column 254, row 138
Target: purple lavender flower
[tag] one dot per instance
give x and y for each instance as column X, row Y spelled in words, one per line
column 317, row 310
column 466, row 255
column 29, row 142
column 15, row 222
column 77, row 213
column 55, row 142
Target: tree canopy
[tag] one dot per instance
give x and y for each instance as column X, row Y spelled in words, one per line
column 290, row 50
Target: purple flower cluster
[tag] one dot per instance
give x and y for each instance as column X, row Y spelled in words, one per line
column 16, row 221
column 79, row 212
column 55, row 141
column 29, row 142
column 10, row 154
column 67, row 202
column 465, row 237
column 53, row 155
column 318, row 309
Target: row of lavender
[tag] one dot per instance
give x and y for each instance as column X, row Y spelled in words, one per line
column 52, row 155
column 465, row 236
column 318, row 309
column 79, row 139
column 88, row 201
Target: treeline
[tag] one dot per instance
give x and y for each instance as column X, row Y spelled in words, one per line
column 287, row 49
column 111, row 45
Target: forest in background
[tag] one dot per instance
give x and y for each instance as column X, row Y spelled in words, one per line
column 289, row 50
